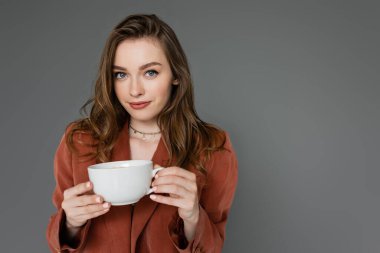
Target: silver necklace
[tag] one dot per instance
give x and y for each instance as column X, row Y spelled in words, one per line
column 145, row 136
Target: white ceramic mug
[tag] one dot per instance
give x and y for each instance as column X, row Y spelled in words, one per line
column 122, row 182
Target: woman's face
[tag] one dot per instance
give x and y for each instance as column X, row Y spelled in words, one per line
column 142, row 75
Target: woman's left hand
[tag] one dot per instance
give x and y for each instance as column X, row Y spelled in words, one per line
column 182, row 188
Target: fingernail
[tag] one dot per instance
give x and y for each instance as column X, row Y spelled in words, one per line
column 156, row 176
column 154, row 189
column 88, row 185
column 152, row 196
column 105, row 205
column 98, row 199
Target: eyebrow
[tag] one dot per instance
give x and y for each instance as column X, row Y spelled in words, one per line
column 141, row 67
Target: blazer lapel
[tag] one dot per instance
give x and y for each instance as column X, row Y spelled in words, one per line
column 145, row 207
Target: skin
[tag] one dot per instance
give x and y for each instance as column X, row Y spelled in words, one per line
column 182, row 188
column 134, row 84
column 152, row 84
column 80, row 207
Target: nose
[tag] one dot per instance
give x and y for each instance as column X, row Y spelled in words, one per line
column 136, row 88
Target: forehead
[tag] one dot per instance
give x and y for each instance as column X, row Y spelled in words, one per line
column 132, row 53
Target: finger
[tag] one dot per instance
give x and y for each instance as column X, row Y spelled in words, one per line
column 83, row 200
column 156, row 166
column 178, row 202
column 87, row 210
column 172, row 189
column 177, row 172
column 93, row 215
column 174, row 195
column 77, row 190
column 162, row 180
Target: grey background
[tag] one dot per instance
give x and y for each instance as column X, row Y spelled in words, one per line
column 295, row 83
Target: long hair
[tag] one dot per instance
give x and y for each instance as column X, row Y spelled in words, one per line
column 187, row 138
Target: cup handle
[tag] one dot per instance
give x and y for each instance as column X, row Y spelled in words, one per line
column 154, row 172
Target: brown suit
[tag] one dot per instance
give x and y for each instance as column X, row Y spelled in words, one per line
column 152, row 227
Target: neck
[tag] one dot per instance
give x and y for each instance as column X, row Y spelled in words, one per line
column 142, row 135
column 144, row 127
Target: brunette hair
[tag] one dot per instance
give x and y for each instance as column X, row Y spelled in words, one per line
column 187, row 138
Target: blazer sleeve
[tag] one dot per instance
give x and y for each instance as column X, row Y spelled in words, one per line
column 63, row 173
column 214, row 205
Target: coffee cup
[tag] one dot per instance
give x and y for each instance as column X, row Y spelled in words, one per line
column 122, row 182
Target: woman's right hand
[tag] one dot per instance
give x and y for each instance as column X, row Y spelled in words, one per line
column 80, row 207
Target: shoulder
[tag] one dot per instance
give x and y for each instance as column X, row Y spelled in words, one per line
column 228, row 143
column 227, row 149
column 78, row 138
column 222, row 171
column 225, row 159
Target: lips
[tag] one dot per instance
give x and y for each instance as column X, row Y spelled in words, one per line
column 139, row 105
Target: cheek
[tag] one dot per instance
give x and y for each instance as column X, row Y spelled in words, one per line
column 119, row 92
column 165, row 94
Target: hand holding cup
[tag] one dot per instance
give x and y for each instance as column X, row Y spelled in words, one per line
column 80, row 207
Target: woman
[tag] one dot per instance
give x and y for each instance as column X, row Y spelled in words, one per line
column 143, row 109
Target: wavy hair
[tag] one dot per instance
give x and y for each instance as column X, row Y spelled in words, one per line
column 187, row 138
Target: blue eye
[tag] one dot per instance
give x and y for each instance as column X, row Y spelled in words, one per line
column 152, row 73
column 119, row 75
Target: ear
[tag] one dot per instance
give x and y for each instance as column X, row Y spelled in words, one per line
column 175, row 82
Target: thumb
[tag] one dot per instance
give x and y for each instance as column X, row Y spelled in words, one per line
column 156, row 166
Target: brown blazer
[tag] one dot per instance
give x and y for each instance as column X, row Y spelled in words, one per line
column 152, row 227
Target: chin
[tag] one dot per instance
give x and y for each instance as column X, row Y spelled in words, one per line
column 143, row 118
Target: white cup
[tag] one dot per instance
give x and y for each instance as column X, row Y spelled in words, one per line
column 122, row 182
